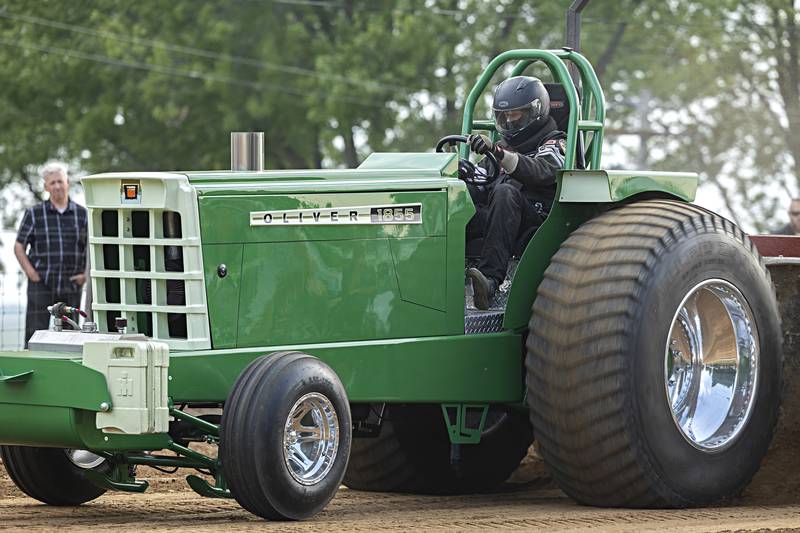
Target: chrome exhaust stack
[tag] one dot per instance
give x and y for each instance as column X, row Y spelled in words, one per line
column 247, row 150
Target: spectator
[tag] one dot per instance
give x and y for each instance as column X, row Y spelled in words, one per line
column 51, row 249
column 793, row 227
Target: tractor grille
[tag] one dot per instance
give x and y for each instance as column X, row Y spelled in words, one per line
column 146, row 258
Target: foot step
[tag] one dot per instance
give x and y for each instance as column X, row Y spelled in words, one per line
column 483, row 321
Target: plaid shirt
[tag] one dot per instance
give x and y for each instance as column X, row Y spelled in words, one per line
column 57, row 243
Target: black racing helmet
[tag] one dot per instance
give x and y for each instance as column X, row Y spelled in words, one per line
column 521, row 107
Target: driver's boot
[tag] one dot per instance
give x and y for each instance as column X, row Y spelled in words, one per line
column 483, row 288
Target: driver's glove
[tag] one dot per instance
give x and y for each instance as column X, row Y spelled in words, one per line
column 466, row 170
column 480, row 144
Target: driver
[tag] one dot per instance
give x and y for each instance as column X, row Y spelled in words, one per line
column 530, row 152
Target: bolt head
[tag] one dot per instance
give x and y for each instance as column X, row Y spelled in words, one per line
column 105, row 407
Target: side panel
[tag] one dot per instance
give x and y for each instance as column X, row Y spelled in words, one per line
column 223, row 291
column 299, row 292
column 475, row 368
column 421, row 286
column 306, row 282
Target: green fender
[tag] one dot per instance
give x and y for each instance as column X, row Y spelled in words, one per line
column 581, row 195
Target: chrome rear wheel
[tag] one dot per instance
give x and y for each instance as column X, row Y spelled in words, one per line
column 711, row 365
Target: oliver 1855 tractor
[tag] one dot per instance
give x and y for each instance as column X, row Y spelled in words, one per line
column 321, row 315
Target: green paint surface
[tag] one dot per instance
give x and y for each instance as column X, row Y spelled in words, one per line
column 328, row 283
column 224, row 292
column 57, row 381
column 605, row 186
column 226, row 219
column 317, row 291
column 37, row 425
column 466, row 369
column 418, row 284
column 445, row 163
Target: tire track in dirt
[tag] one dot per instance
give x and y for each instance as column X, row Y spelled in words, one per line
column 529, row 502
column 353, row 511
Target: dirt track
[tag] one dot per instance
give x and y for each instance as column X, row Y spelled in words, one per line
column 529, row 508
column 531, row 502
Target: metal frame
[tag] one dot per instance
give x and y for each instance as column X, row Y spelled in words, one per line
column 585, row 115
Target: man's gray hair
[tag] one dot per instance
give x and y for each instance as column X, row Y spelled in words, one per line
column 52, row 167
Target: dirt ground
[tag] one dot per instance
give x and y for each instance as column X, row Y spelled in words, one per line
column 528, row 501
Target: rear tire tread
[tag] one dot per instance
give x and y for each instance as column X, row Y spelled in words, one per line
column 606, row 468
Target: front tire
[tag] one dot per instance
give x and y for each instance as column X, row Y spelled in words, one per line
column 654, row 359
column 48, row 474
column 285, row 436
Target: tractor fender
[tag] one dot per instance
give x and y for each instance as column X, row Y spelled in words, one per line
column 581, row 195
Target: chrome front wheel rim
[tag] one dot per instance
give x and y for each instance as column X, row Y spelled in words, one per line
column 310, row 438
column 711, row 365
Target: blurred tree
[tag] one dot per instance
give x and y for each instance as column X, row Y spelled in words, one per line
column 113, row 85
column 712, row 87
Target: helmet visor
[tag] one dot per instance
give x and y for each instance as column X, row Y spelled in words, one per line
column 514, row 120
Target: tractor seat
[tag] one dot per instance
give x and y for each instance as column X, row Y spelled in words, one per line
column 559, row 105
column 559, row 110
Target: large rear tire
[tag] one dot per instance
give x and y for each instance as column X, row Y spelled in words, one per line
column 285, row 436
column 412, row 453
column 654, row 359
column 48, row 474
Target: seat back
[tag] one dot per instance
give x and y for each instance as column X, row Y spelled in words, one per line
column 559, row 110
column 559, row 105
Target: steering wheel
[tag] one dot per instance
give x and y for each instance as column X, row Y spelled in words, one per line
column 449, row 140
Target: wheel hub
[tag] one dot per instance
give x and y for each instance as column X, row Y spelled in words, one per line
column 711, row 365
column 84, row 459
column 310, row 438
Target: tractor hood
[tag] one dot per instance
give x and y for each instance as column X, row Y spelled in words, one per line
column 379, row 172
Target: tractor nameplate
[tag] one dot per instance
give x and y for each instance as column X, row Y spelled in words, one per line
column 370, row 214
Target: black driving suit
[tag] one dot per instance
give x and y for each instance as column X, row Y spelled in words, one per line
column 517, row 202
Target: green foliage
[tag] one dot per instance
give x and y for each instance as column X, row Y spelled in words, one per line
column 110, row 85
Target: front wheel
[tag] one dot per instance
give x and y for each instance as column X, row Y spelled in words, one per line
column 52, row 475
column 654, row 359
column 285, row 436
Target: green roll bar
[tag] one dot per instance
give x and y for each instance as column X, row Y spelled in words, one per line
column 589, row 116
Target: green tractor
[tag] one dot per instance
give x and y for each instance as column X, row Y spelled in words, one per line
column 312, row 324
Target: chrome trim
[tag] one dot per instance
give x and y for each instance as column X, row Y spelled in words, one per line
column 711, row 365
column 310, row 438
